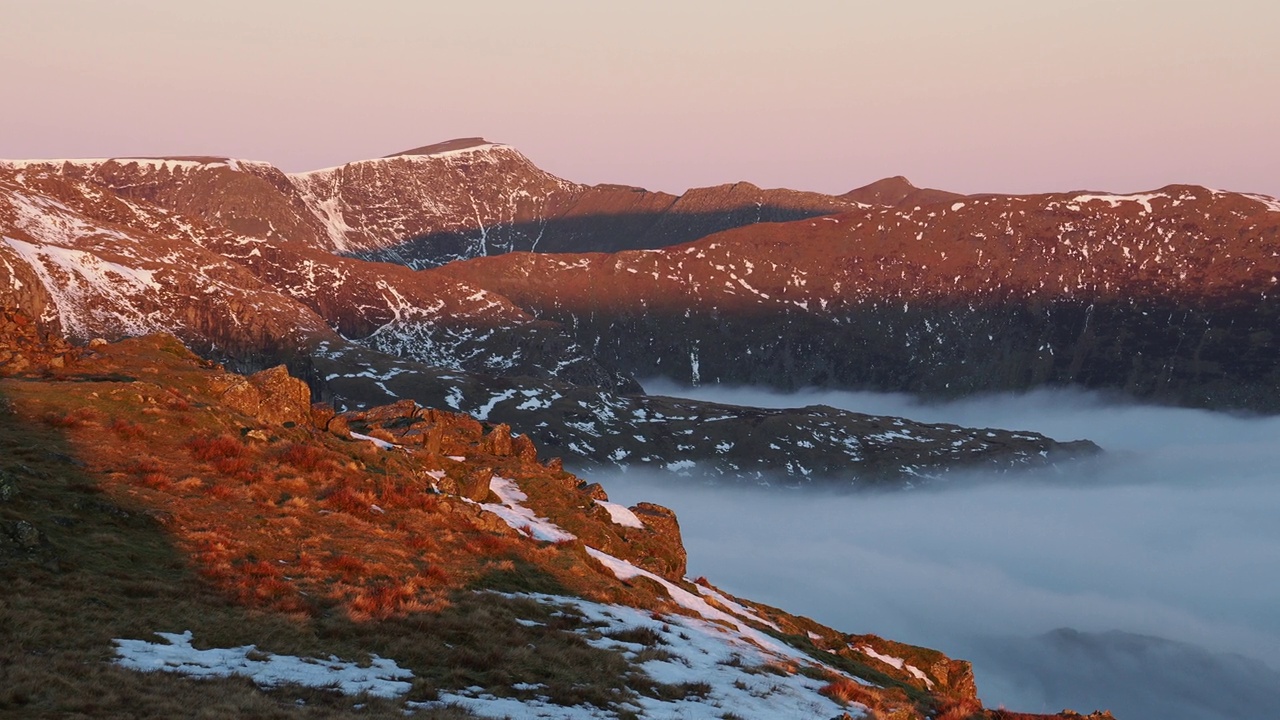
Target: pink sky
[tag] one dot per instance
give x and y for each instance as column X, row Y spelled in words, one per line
column 986, row 95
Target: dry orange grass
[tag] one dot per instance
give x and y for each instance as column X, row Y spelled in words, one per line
column 207, row 448
column 126, row 429
column 961, row 710
column 305, row 457
column 881, row 702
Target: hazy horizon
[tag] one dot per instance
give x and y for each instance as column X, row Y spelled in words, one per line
column 994, row 96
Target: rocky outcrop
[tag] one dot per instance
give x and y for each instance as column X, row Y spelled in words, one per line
column 670, row 558
column 27, row 349
column 271, row 396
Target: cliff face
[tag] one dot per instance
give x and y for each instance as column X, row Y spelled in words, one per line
column 145, row 485
column 89, row 263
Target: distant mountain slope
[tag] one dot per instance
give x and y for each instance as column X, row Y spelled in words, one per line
column 1169, row 295
column 155, row 248
column 899, row 191
column 471, row 198
column 1138, row 675
column 421, row 208
column 91, row 263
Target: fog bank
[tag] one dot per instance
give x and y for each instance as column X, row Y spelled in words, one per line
column 1174, row 535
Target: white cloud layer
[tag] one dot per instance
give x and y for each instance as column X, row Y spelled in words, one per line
column 1173, row 534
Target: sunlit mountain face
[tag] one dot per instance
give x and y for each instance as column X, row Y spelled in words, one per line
column 717, row 349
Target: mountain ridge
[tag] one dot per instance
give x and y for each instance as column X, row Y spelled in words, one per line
column 96, row 263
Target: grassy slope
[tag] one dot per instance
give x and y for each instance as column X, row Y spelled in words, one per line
column 144, row 504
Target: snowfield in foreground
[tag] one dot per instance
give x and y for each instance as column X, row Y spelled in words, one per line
column 734, row 672
column 731, row 673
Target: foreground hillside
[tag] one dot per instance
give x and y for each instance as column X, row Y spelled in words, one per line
column 163, row 515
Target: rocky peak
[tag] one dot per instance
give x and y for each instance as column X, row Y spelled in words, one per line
column 897, row 191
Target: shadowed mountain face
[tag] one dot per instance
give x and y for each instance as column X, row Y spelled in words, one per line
column 602, row 230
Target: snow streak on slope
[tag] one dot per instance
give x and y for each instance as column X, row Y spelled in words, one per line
column 90, row 292
column 520, row 517
column 701, row 654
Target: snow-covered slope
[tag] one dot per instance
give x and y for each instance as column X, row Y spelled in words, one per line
column 110, row 267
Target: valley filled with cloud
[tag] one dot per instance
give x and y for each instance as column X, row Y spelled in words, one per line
column 1159, row 556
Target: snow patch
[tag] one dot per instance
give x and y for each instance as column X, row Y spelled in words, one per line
column 1115, row 200
column 1271, row 203
column 383, row 678
column 89, row 291
column 381, row 444
column 687, row 600
column 621, row 515
column 520, row 517
column 896, row 662
column 701, row 653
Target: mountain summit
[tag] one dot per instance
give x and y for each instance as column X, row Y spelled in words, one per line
column 470, row 143
column 897, row 190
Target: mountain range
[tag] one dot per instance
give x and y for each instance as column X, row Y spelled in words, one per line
column 461, row 275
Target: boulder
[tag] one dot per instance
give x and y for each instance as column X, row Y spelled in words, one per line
column 321, row 414
column 26, row 535
column 595, row 491
column 272, row 397
column 665, row 554
column 498, row 441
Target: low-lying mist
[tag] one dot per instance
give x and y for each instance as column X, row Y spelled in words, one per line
column 1175, row 534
